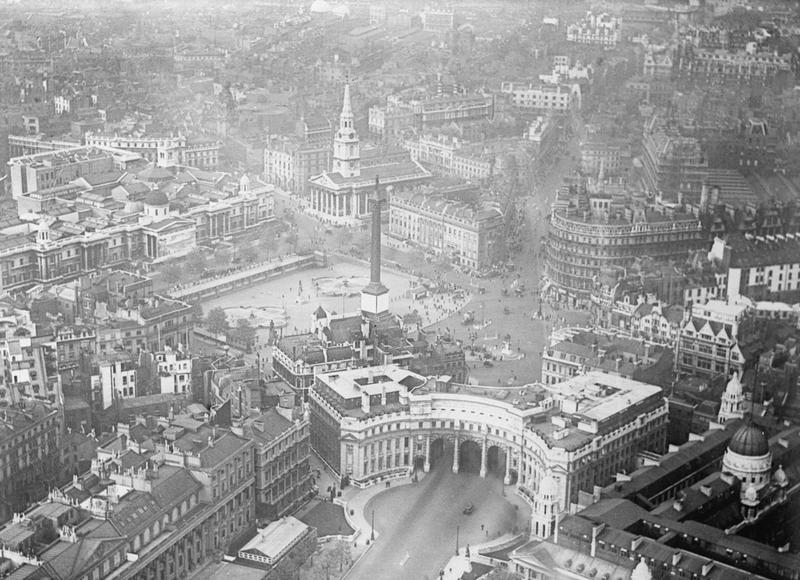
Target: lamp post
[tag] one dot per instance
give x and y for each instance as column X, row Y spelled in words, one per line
column 373, row 525
column 457, row 530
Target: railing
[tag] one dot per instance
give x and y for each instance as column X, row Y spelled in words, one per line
column 597, row 229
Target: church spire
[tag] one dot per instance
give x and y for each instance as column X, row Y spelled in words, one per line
column 347, row 109
column 346, row 147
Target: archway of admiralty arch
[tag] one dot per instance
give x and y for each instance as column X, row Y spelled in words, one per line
column 441, row 450
column 441, row 455
column 469, row 456
column 496, row 457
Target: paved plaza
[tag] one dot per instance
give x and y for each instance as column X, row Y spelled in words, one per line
column 418, row 523
column 297, row 293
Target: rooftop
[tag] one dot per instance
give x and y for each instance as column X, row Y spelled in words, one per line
column 351, row 383
column 267, row 426
column 755, row 251
column 276, row 537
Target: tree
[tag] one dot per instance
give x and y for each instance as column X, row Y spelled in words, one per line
column 320, row 565
column 343, row 238
column 249, row 254
column 267, row 245
column 224, row 256
column 173, row 274
column 342, row 554
column 195, row 262
column 244, row 331
column 217, row 320
column 292, row 239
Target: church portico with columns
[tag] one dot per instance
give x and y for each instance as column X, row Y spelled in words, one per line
column 340, row 196
column 345, row 201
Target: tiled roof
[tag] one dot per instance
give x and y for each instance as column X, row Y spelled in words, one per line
column 136, row 511
column 337, row 353
column 224, row 448
column 345, row 329
column 763, row 251
column 271, row 423
column 66, row 560
column 173, row 485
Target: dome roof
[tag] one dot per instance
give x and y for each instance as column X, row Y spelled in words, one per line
column 641, row 572
column 734, row 386
column 780, row 477
column 156, row 197
column 749, row 441
column 548, row 487
column 320, row 7
column 341, row 10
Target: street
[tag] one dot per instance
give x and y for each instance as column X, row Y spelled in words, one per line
column 417, row 523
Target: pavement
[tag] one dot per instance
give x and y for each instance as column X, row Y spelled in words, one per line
column 357, row 500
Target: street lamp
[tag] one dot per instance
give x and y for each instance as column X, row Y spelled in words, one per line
column 373, row 524
column 457, row 540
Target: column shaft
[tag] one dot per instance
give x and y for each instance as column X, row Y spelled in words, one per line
column 507, row 478
column 455, row 455
column 484, row 453
column 427, row 466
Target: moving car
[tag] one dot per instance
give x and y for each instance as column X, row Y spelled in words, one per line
column 469, row 509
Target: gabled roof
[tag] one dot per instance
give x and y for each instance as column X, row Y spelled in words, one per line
column 268, row 426
column 224, row 447
column 153, row 173
column 65, row 560
column 345, row 330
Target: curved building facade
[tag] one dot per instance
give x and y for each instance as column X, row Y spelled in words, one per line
column 581, row 244
column 371, row 424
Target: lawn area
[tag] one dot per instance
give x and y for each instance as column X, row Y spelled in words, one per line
column 327, row 517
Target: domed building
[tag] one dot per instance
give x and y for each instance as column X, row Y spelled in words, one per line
column 732, row 406
column 320, row 7
column 341, row 11
column 641, row 572
column 156, row 205
column 544, row 513
column 748, row 457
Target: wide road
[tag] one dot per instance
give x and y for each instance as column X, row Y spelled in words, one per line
column 417, row 523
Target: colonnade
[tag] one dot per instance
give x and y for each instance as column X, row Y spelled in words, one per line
column 353, row 204
column 484, row 457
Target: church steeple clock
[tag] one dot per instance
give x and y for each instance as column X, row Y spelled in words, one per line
column 346, row 148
